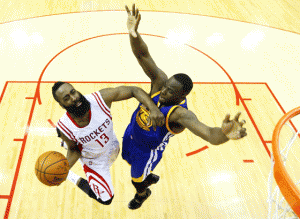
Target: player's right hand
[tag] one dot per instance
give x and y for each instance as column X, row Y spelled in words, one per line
column 157, row 118
column 233, row 129
column 133, row 20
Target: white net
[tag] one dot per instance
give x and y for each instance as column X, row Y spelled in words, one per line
column 289, row 149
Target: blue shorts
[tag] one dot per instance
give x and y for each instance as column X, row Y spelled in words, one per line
column 142, row 159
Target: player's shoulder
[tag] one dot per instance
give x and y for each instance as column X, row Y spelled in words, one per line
column 63, row 118
column 93, row 96
column 155, row 95
column 96, row 99
column 64, row 123
column 158, row 83
column 178, row 112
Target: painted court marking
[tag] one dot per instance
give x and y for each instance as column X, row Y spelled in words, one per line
column 51, row 123
column 37, row 97
column 10, row 196
column 248, row 161
column 197, row 151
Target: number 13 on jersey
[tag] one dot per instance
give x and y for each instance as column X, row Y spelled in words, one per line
column 103, row 136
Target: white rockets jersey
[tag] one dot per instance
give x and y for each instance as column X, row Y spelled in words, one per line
column 98, row 136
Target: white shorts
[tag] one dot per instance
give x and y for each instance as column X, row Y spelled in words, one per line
column 98, row 174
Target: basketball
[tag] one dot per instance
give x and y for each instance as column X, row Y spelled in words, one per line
column 52, row 168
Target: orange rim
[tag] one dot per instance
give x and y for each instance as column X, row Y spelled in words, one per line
column 284, row 181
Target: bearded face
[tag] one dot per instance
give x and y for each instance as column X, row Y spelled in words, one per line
column 80, row 107
column 71, row 100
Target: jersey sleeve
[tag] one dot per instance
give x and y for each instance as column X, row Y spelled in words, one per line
column 96, row 99
column 62, row 127
column 155, row 97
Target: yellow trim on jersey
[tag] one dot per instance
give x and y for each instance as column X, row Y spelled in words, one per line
column 138, row 180
column 154, row 95
column 128, row 163
column 167, row 120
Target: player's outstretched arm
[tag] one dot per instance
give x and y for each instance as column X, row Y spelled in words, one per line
column 73, row 154
column 216, row 136
column 141, row 52
column 110, row 95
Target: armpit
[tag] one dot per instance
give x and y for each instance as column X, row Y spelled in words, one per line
column 58, row 132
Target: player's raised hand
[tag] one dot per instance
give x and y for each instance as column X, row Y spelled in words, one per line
column 133, row 20
column 157, row 118
column 233, row 129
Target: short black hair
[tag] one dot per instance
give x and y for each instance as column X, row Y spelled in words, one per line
column 55, row 88
column 186, row 81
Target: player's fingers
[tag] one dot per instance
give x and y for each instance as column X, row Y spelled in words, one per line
column 154, row 125
column 127, row 9
column 137, row 13
column 226, row 120
column 161, row 123
column 133, row 9
column 138, row 20
column 236, row 118
column 243, row 130
column 243, row 134
column 133, row 33
column 242, row 122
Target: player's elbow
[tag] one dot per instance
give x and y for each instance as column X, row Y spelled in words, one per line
column 135, row 90
column 213, row 140
column 142, row 55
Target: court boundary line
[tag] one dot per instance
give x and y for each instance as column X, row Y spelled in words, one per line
column 36, row 97
column 20, row 158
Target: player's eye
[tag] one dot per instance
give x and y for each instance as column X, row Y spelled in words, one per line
column 66, row 98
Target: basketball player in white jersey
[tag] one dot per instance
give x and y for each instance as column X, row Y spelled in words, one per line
column 87, row 130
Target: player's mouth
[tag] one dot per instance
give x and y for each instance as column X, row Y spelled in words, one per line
column 78, row 104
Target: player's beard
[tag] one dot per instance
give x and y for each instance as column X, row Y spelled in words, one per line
column 80, row 110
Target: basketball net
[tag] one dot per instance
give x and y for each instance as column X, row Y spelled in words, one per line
column 283, row 192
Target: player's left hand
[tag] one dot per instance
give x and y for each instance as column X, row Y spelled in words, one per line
column 233, row 129
column 133, row 20
column 157, row 118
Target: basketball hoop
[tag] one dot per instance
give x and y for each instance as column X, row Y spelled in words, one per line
column 288, row 206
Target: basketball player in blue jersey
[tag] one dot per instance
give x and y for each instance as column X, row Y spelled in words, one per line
column 143, row 145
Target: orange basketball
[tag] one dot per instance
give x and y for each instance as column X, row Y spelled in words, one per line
column 52, row 168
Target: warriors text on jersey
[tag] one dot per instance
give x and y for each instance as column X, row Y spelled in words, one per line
column 98, row 136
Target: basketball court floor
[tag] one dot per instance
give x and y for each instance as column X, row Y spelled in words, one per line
column 241, row 56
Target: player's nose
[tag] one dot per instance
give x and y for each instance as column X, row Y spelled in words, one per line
column 73, row 98
column 163, row 91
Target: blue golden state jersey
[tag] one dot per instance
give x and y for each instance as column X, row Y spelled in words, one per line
column 142, row 132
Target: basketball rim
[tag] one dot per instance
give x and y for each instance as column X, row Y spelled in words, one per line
column 283, row 180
